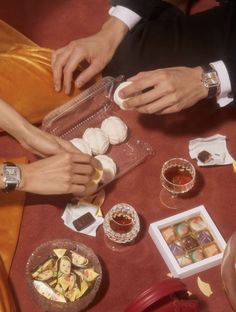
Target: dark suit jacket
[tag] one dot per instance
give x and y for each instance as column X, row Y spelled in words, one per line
column 148, row 8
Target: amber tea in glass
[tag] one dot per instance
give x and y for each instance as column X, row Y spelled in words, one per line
column 121, row 226
column 121, row 222
column 177, row 177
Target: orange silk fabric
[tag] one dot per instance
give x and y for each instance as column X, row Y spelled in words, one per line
column 26, row 84
column 26, row 81
column 11, row 210
column 7, row 302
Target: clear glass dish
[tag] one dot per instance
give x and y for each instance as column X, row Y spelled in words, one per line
column 88, row 110
column 44, row 252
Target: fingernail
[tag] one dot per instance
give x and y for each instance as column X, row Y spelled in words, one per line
column 79, row 84
column 121, row 94
column 67, row 91
column 57, row 88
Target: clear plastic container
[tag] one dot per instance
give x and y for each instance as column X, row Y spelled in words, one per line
column 88, row 110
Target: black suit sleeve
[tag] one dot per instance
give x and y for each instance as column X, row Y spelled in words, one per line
column 144, row 8
column 175, row 39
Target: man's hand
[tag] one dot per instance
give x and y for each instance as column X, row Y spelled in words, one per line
column 96, row 50
column 60, row 174
column 164, row 91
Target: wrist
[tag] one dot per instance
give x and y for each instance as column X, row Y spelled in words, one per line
column 203, row 91
column 114, row 30
column 2, row 184
column 23, row 183
column 11, row 121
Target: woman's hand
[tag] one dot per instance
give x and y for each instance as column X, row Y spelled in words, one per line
column 29, row 136
column 42, row 143
column 60, row 174
column 96, row 50
column 164, row 91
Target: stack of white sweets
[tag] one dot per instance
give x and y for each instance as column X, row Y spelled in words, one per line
column 96, row 141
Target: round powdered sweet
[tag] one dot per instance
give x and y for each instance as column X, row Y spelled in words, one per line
column 109, row 168
column 81, row 145
column 115, row 129
column 97, row 140
column 117, row 99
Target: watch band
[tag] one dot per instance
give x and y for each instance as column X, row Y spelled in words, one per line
column 212, row 88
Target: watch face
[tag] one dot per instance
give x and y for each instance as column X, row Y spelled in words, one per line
column 11, row 175
column 211, row 80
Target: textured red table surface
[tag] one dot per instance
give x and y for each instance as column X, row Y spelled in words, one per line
column 52, row 24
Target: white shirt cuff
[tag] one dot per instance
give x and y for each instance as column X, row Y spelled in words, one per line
column 127, row 16
column 225, row 85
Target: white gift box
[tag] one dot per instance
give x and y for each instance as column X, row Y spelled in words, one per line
column 172, row 263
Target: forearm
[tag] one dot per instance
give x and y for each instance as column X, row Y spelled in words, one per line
column 114, row 31
column 12, row 122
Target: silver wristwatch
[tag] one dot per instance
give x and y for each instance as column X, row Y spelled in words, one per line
column 211, row 80
column 11, row 176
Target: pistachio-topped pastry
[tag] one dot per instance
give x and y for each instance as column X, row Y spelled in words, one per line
column 65, row 277
column 78, row 260
column 65, row 265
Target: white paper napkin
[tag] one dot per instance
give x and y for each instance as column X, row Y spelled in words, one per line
column 215, row 145
column 72, row 212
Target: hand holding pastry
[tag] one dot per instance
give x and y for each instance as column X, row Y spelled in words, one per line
column 164, row 91
column 60, row 174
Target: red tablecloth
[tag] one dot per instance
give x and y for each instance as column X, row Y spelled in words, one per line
column 53, row 24
column 127, row 274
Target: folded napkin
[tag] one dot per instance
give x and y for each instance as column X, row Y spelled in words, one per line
column 210, row 151
column 73, row 212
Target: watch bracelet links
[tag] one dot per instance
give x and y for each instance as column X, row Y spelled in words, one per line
column 213, row 91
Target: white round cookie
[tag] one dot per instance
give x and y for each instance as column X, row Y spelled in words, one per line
column 109, row 168
column 117, row 99
column 115, row 129
column 97, row 140
column 81, row 145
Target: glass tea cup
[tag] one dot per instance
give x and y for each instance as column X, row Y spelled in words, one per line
column 178, row 177
column 121, row 226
